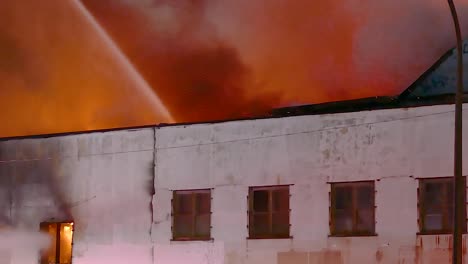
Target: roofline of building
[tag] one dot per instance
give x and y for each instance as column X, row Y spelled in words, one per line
column 428, row 72
column 338, row 107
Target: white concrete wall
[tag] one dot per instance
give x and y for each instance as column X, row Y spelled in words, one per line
column 104, row 182
column 393, row 147
column 101, row 181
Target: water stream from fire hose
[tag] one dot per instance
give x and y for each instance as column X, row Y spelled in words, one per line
column 155, row 102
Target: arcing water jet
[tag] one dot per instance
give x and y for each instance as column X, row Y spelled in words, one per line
column 150, row 94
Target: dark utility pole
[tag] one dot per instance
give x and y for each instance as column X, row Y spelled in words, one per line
column 459, row 199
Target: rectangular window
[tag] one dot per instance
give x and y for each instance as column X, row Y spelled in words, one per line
column 436, row 205
column 269, row 212
column 352, row 210
column 60, row 250
column 191, row 210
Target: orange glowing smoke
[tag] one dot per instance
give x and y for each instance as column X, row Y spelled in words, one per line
column 207, row 59
column 57, row 74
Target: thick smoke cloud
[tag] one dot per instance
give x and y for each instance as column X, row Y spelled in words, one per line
column 203, row 55
column 57, row 74
column 21, row 246
column 335, row 50
column 198, row 74
column 208, row 59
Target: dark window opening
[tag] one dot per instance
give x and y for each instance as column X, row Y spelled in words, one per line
column 60, row 249
column 436, row 205
column 352, row 210
column 269, row 212
column 191, row 215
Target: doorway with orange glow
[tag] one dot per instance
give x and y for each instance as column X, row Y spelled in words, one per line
column 60, row 248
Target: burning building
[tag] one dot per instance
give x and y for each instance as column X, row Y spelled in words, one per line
column 363, row 181
column 78, row 65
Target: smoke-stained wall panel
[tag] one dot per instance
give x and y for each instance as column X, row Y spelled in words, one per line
column 100, row 181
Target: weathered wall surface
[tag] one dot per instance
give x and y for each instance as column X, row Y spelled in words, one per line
column 101, row 181
column 105, row 182
column 393, row 147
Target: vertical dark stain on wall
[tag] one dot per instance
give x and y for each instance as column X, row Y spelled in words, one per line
column 6, row 185
column 6, row 199
column 463, row 246
column 379, row 255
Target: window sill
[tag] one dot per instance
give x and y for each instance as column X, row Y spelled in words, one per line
column 191, row 239
column 437, row 233
column 354, row 235
column 275, row 238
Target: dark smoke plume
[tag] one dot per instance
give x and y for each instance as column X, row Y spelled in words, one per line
column 207, row 59
column 197, row 74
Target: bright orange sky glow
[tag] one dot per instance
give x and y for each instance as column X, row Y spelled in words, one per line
column 205, row 60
